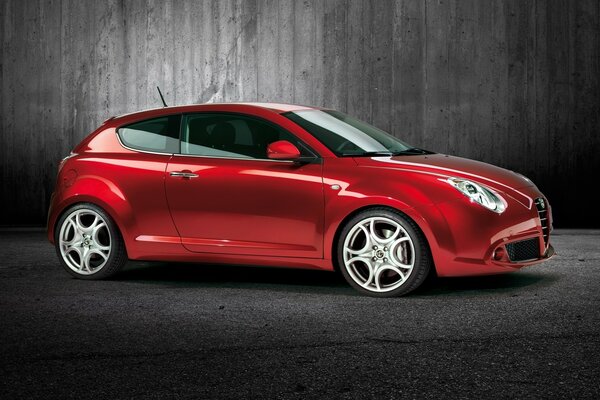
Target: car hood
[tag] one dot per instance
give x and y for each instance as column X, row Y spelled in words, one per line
column 447, row 166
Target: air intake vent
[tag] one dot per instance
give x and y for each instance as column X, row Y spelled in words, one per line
column 524, row 250
column 542, row 209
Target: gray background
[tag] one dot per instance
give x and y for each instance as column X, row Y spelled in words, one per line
column 513, row 83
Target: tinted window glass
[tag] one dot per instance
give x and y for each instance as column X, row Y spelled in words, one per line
column 159, row 134
column 347, row 136
column 232, row 135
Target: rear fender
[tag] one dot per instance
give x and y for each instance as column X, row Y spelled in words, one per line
column 101, row 192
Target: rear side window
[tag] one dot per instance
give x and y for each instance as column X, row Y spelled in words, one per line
column 159, row 135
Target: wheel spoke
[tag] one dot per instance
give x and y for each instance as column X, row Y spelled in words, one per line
column 69, row 257
column 102, row 248
column 79, row 224
column 96, row 230
column 382, row 240
column 85, row 259
column 100, row 253
column 366, row 248
column 71, row 247
column 402, row 265
column 370, row 267
column 386, row 267
column 70, row 242
column 373, row 236
column 96, row 224
column 71, row 228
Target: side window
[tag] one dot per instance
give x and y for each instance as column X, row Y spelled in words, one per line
column 158, row 135
column 231, row 135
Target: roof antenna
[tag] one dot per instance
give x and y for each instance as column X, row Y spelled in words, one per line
column 161, row 97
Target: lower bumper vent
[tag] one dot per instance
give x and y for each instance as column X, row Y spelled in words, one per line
column 524, row 250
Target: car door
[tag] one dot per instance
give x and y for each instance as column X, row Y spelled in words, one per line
column 225, row 196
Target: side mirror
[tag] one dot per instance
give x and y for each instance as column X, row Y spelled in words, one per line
column 282, row 150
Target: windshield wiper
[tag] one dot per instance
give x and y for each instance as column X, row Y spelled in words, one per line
column 409, row 151
column 412, row 151
column 368, row 154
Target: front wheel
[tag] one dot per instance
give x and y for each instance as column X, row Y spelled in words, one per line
column 382, row 253
column 88, row 243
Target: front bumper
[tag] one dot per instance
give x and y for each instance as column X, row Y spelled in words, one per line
column 485, row 243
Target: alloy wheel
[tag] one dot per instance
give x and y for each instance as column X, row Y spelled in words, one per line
column 85, row 241
column 378, row 254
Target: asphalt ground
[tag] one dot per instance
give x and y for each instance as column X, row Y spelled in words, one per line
column 195, row 331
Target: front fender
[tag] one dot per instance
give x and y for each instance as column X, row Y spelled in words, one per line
column 408, row 192
column 427, row 217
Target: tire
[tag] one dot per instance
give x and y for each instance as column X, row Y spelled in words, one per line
column 88, row 243
column 392, row 261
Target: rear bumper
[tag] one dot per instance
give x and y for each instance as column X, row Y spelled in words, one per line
column 51, row 219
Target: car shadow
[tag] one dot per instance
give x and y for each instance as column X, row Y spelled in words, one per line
column 187, row 275
column 511, row 283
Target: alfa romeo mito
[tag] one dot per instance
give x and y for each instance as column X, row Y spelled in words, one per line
column 288, row 186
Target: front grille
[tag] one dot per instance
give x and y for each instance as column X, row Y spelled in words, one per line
column 524, row 250
column 542, row 209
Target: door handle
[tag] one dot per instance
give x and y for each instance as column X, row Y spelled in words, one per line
column 183, row 174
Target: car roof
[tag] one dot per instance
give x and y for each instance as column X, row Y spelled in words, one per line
column 156, row 112
column 280, row 107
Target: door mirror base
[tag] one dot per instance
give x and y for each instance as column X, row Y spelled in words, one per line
column 307, row 160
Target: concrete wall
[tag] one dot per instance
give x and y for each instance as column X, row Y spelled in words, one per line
column 514, row 83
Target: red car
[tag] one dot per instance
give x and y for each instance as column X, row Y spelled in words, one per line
column 285, row 185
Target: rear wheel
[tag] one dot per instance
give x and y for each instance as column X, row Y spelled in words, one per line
column 88, row 243
column 382, row 253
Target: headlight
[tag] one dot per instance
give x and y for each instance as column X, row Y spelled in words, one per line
column 479, row 194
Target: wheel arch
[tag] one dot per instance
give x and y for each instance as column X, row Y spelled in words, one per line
column 98, row 193
column 410, row 213
column 79, row 200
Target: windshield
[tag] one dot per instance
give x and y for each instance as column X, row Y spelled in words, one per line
column 347, row 136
